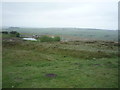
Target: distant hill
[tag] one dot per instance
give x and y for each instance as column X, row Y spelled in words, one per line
column 70, row 33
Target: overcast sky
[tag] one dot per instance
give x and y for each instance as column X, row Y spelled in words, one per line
column 102, row 15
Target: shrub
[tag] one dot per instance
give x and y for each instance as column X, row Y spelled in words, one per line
column 45, row 39
column 4, row 32
column 57, row 38
column 15, row 33
column 49, row 39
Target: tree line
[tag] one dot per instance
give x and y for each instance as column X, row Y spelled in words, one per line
column 13, row 33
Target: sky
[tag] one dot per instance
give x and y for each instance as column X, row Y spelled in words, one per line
column 101, row 14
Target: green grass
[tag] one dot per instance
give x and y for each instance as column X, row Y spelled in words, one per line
column 76, row 64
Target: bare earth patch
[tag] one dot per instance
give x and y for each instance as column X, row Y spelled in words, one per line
column 51, row 75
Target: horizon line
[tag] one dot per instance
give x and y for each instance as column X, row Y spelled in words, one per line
column 57, row 27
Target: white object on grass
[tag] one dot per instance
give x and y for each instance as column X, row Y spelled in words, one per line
column 32, row 39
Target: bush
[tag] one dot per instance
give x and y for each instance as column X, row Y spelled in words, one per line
column 4, row 32
column 49, row 39
column 45, row 39
column 57, row 38
column 15, row 33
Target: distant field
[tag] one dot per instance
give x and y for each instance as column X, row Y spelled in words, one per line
column 72, row 64
column 73, row 33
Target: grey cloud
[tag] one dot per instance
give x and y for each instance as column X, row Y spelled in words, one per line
column 80, row 14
